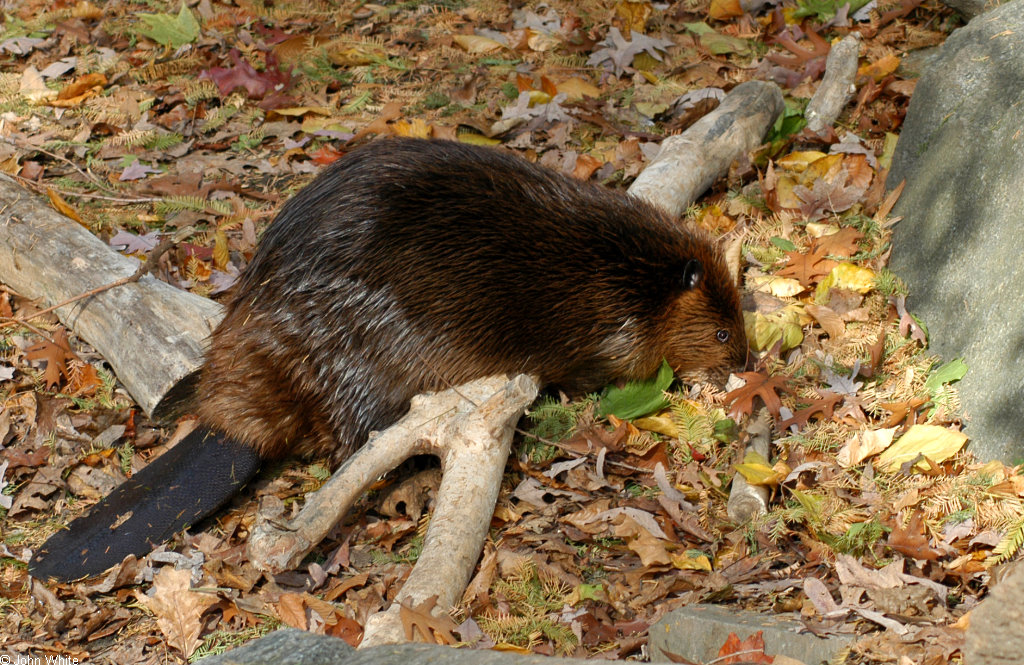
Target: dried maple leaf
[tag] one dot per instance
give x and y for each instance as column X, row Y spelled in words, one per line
column 760, row 385
column 807, row 268
column 243, row 75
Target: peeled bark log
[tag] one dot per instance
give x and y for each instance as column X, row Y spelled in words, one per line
column 690, row 162
column 747, row 501
column 151, row 333
column 837, row 85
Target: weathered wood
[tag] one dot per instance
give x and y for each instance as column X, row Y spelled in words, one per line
column 837, row 85
column 690, row 162
column 748, row 501
column 151, row 333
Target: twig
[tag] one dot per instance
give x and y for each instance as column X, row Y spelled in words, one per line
column 154, row 255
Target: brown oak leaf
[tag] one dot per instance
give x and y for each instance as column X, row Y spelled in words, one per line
column 760, row 385
column 902, row 411
column 842, row 243
column 432, row 629
column 56, row 354
column 824, row 406
column 912, row 540
column 807, row 268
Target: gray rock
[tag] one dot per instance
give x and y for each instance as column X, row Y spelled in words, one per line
column 294, row 647
column 697, row 632
column 972, row 8
column 960, row 243
column 287, row 646
column 995, row 636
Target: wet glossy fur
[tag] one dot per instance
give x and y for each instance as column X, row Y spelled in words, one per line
column 409, row 265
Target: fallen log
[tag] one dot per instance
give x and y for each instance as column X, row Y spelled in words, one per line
column 690, row 162
column 150, row 332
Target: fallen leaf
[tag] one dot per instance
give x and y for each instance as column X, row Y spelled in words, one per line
column 177, row 608
column 737, row 651
column 760, row 385
column 576, row 88
column 477, row 45
column 912, row 540
column 724, row 9
column 863, row 445
column 807, row 268
column 62, row 206
column 419, row 621
column 933, row 441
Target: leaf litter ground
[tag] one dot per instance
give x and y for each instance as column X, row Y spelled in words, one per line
column 195, row 121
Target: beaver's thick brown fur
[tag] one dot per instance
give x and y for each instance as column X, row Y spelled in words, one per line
column 409, row 266
column 412, row 265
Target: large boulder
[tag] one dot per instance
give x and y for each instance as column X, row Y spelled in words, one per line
column 960, row 246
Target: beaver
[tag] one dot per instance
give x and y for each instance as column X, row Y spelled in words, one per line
column 409, row 266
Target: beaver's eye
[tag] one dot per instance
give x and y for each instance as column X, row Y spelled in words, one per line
column 722, row 335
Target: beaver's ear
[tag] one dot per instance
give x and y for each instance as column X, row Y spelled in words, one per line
column 690, row 275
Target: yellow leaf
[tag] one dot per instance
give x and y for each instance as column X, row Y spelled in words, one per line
column 299, row 111
column 476, row 44
column 784, row 192
column 798, row 161
column 62, row 206
column 540, row 42
column 358, row 56
column 763, row 331
column 691, row 560
column 539, row 97
column 756, row 474
column 880, row 68
column 725, row 9
column 846, row 276
column 221, row 254
column 660, row 424
column 826, row 167
column 934, row 442
column 473, row 138
column 820, row 229
column 86, row 10
column 863, row 445
column 416, row 128
column 780, row 287
column 634, row 14
column 577, row 88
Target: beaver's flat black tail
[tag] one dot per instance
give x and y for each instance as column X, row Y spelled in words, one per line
column 190, row 481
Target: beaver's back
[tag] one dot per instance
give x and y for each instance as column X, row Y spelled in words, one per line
column 412, row 265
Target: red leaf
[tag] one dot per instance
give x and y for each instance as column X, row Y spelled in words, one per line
column 750, row 650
